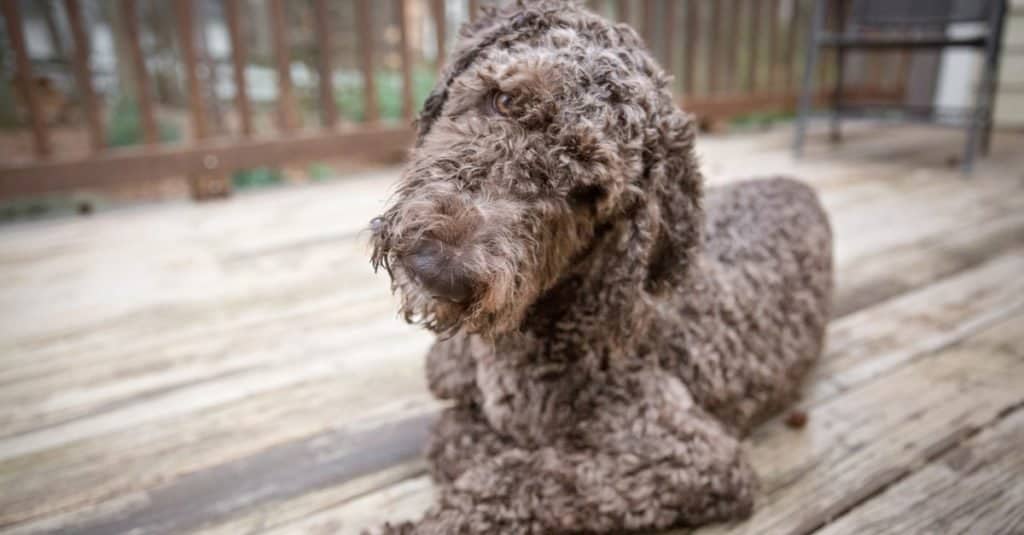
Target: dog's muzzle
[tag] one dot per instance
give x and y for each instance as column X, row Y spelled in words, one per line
column 437, row 268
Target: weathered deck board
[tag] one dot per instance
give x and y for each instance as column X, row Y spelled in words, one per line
column 851, row 388
column 39, row 372
column 238, row 368
column 860, row 442
column 975, row 488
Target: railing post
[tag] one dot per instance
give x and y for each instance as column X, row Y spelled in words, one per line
column 287, row 114
column 24, row 78
column 754, row 44
column 692, row 42
column 130, row 22
column 835, row 130
column 364, row 21
column 669, row 37
column 210, row 183
column 403, row 43
column 83, row 74
column 440, row 25
column 328, row 106
column 239, row 58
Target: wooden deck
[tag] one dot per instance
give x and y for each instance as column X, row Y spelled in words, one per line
column 237, row 368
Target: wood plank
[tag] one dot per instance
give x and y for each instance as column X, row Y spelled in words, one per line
column 185, row 15
column 143, row 92
column 692, row 42
column 916, row 324
column 402, row 12
column 975, row 488
column 874, row 278
column 440, row 17
column 35, row 370
column 24, row 79
column 117, row 166
column 943, row 297
column 668, row 31
column 287, row 116
column 239, row 60
column 364, row 19
column 252, row 283
column 723, row 105
column 270, row 475
column 753, row 43
column 323, row 30
column 773, row 42
column 794, row 26
column 715, row 45
column 286, row 514
column 197, row 322
column 847, row 451
column 731, row 46
column 83, row 75
column 187, row 439
column 856, row 449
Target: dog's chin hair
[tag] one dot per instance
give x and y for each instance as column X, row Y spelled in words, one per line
column 485, row 315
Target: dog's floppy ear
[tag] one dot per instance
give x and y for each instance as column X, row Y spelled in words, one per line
column 676, row 186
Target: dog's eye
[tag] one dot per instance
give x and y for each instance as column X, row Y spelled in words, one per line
column 502, row 103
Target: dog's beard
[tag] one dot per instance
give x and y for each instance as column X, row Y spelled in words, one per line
column 419, row 307
column 497, row 307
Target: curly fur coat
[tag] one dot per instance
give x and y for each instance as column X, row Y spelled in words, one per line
column 608, row 331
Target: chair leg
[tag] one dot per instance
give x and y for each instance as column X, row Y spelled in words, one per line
column 807, row 86
column 980, row 127
column 986, row 135
column 971, row 146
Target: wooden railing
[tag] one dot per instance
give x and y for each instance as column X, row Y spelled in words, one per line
column 729, row 58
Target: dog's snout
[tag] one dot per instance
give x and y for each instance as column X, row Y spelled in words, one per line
column 437, row 268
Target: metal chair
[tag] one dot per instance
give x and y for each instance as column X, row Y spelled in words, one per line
column 906, row 25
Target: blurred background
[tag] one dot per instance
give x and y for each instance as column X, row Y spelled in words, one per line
column 192, row 339
column 240, row 94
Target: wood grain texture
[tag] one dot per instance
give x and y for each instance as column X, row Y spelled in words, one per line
column 239, row 59
column 887, row 381
column 858, row 444
column 975, row 488
column 24, row 80
column 238, row 368
column 83, row 75
column 143, row 92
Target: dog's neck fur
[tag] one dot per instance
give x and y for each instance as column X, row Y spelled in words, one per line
column 584, row 314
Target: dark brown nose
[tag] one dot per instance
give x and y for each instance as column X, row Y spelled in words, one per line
column 435, row 266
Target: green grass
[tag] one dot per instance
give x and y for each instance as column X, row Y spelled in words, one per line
column 124, row 126
column 49, row 206
column 256, row 178
column 318, row 171
column 389, row 94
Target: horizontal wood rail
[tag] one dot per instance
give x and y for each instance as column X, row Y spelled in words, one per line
column 212, row 155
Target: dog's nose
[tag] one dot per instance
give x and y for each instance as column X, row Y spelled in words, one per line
column 436, row 267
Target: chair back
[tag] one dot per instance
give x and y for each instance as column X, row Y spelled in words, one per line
column 920, row 14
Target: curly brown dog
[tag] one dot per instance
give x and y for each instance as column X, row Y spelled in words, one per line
column 607, row 330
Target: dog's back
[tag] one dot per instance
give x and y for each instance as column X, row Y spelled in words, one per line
column 755, row 314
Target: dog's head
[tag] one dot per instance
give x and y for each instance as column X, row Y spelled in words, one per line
column 550, row 139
